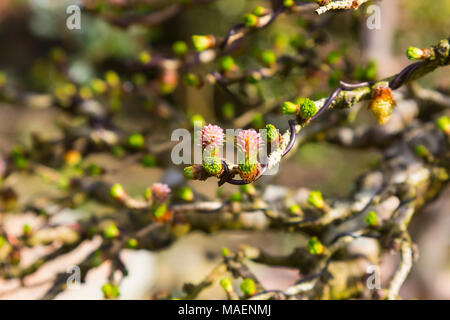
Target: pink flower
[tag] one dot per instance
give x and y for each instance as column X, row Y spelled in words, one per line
column 212, row 135
column 248, row 142
column 160, row 191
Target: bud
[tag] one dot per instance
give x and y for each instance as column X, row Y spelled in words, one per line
column 202, row 43
column 148, row 161
column 288, row 3
column 159, row 211
column 371, row 219
column 307, row 108
column 132, row 243
column 236, row 197
column 315, row 247
column 333, row 57
column 145, row 57
column 110, row 291
column 382, row 104
column 254, row 77
column 258, row 120
column 228, row 110
column 248, row 189
column 136, row 141
column 185, row 194
column 421, row 151
column 289, row 108
column 26, row 230
column 197, row 118
column 191, row 79
column 316, row 200
column 160, row 192
column 195, row 172
column 213, row 165
column 414, row 53
column 225, row 252
column 111, row 231
column 180, row 48
column 268, row 58
column 250, row 20
column 295, row 210
column 212, row 136
column 248, row 287
column 2, row 79
column 225, row 283
column 226, row 63
column 248, row 142
column 72, row 157
column 272, row 133
column 117, row 191
column 443, row 123
column 98, row 86
column 260, row 11
column 112, row 78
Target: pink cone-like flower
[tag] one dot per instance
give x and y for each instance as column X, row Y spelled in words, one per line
column 160, row 192
column 248, row 142
column 212, row 135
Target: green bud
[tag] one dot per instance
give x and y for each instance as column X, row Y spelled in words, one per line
column 248, row 189
column 226, row 63
column 93, row 169
column 199, row 119
column 180, row 48
column 421, row 151
column 159, row 211
column 225, row 283
column 254, row 77
column 258, row 120
column 288, row 3
column 110, row 291
column 117, row 191
column 2, row 79
column 250, row 20
column 212, row 165
column 192, row 80
column 307, row 108
column 333, row 57
column 295, row 209
column 26, row 229
column 189, row 173
column 136, row 140
column 268, row 57
column 225, row 252
column 228, row 110
column 111, row 231
column 314, row 246
column 414, row 53
column 112, row 78
column 145, row 57
column 148, row 161
column 443, row 123
column 316, row 200
column 272, row 133
column 186, row 194
column 289, row 108
column 259, row 11
column 236, row 197
column 132, row 243
column 202, row 43
column 371, row 219
column 248, row 287
column 2, row 241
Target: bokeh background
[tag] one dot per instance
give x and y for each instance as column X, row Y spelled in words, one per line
column 33, row 34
